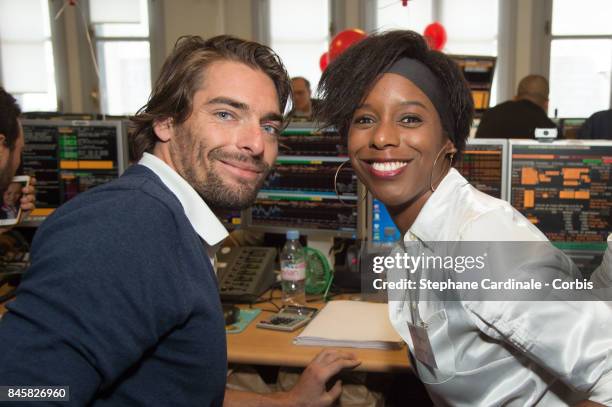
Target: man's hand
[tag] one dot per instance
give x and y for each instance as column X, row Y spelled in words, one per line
column 28, row 197
column 27, row 201
column 310, row 391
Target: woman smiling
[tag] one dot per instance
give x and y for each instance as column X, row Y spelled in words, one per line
column 406, row 112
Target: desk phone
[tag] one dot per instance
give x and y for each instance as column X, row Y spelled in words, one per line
column 245, row 273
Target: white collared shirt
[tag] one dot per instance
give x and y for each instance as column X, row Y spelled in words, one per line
column 491, row 353
column 201, row 217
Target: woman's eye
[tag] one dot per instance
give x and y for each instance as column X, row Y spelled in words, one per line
column 411, row 119
column 363, row 120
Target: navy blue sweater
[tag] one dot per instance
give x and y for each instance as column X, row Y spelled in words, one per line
column 120, row 304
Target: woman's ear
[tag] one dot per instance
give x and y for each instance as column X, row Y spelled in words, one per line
column 450, row 147
column 3, row 145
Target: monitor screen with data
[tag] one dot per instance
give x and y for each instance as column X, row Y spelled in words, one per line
column 564, row 188
column 70, row 157
column 299, row 192
column 484, row 163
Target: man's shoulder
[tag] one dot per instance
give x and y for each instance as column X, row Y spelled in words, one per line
column 513, row 107
column 136, row 197
column 604, row 116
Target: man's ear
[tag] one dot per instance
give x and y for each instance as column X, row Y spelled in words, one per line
column 164, row 129
column 2, row 139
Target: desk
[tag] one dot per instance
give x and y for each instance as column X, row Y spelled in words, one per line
column 256, row 346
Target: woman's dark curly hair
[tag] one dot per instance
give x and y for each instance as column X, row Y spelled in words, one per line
column 350, row 77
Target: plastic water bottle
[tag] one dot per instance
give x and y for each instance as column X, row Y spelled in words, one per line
column 293, row 271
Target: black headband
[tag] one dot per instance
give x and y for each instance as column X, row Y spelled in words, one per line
column 419, row 74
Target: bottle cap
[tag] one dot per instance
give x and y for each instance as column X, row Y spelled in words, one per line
column 293, row 234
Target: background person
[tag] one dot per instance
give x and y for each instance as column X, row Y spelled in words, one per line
column 598, row 126
column 518, row 118
column 302, row 98
column 11, row 146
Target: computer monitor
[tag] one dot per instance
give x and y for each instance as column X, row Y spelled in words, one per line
column 484, row 163
column 478, row 71
column 69, row 157
column 564, row 188
column 59, row 116
column 307, row 139
column 382, row 230
column 299, row 192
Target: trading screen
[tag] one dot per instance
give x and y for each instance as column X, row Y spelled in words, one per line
column 299, row 192
column 483, row 166
column 564, row 189
column 68, row 158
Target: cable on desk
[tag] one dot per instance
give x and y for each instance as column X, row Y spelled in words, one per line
column 270, row 300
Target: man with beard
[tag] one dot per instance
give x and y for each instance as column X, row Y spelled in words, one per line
column 121, row 301
column 11, row 145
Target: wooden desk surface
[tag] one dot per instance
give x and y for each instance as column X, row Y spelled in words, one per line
column 258, row 346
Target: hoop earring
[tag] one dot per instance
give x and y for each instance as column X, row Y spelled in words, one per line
column 336, row 184
column 434, row 167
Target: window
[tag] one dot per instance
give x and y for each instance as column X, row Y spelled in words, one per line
column 26, row 54
column 299, row 35
column 121, row 36
column 415, row 16
column 468, row 33
column 580, row 57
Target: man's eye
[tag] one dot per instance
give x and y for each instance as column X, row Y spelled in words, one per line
column 223, row 115
column 271, row 130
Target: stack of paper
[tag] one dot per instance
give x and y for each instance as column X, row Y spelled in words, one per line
column 352, row 324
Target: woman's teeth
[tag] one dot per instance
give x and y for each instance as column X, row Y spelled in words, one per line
column 388, row 166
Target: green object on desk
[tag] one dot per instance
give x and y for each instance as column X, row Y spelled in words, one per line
column 244, row 319
column 318, row 272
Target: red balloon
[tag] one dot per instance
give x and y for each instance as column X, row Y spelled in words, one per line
column 435, row 34
column 343, row 40
column 324, row 61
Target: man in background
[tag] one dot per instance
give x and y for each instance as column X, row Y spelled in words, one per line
column 11, row 146
column 598, row 126
column 518, row 118
column 121, row 302
column 302, row 102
